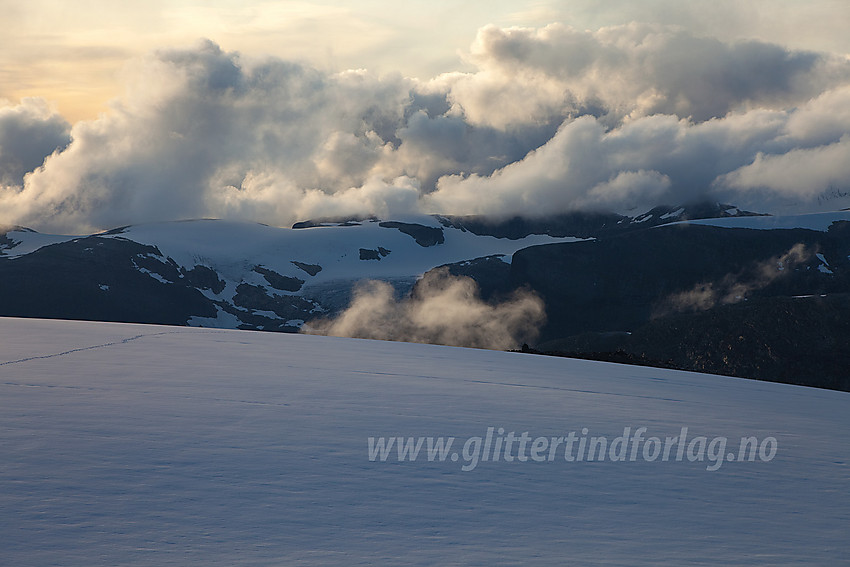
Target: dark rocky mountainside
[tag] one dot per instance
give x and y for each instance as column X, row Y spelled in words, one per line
column 103, row 279
column 616, row 283
column 764, row 304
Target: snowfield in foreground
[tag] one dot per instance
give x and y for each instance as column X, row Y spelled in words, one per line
column 145, row 445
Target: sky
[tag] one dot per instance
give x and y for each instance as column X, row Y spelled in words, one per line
column 114, row 113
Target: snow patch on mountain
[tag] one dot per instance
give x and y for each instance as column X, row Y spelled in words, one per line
column 24, row 241
column 813, row 221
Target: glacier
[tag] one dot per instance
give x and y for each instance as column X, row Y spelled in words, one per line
column 130, row 444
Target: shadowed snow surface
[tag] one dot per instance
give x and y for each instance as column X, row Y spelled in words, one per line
column 145, row 445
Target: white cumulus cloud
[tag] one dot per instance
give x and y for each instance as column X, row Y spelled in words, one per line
column 550, row 120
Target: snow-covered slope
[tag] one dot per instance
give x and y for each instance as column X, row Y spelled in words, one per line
column 813, row 221
column 246, row 275
column 146, row 445
column 18, row 241
column 234, row 248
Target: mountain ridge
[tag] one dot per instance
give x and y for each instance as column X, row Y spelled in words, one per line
column 600, row 277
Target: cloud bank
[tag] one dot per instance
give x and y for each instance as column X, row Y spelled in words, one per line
column 551, row 120
column 443, row 309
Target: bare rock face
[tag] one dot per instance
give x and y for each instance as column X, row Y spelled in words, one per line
column 424, row 236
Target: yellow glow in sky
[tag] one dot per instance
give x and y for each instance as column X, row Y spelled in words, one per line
column 71, row 53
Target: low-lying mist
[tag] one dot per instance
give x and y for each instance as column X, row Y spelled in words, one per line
column 442, row 309
column 734, row 288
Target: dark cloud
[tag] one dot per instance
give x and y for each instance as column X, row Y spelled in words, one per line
column 633, row 70
column 29, row 132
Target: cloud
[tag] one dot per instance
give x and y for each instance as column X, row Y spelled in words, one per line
column 532, row 75
column 29, row 132
column 816, row 173
column 201, row 132
column 551, row 120
column 652, row 160
column 815, row 24
column 769, row 160
column 442, row 309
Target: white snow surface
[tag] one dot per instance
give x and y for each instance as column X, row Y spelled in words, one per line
column 813, row 221
column 672, row 214
column 148, row 445
column 234, row 248
column 26, row 241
